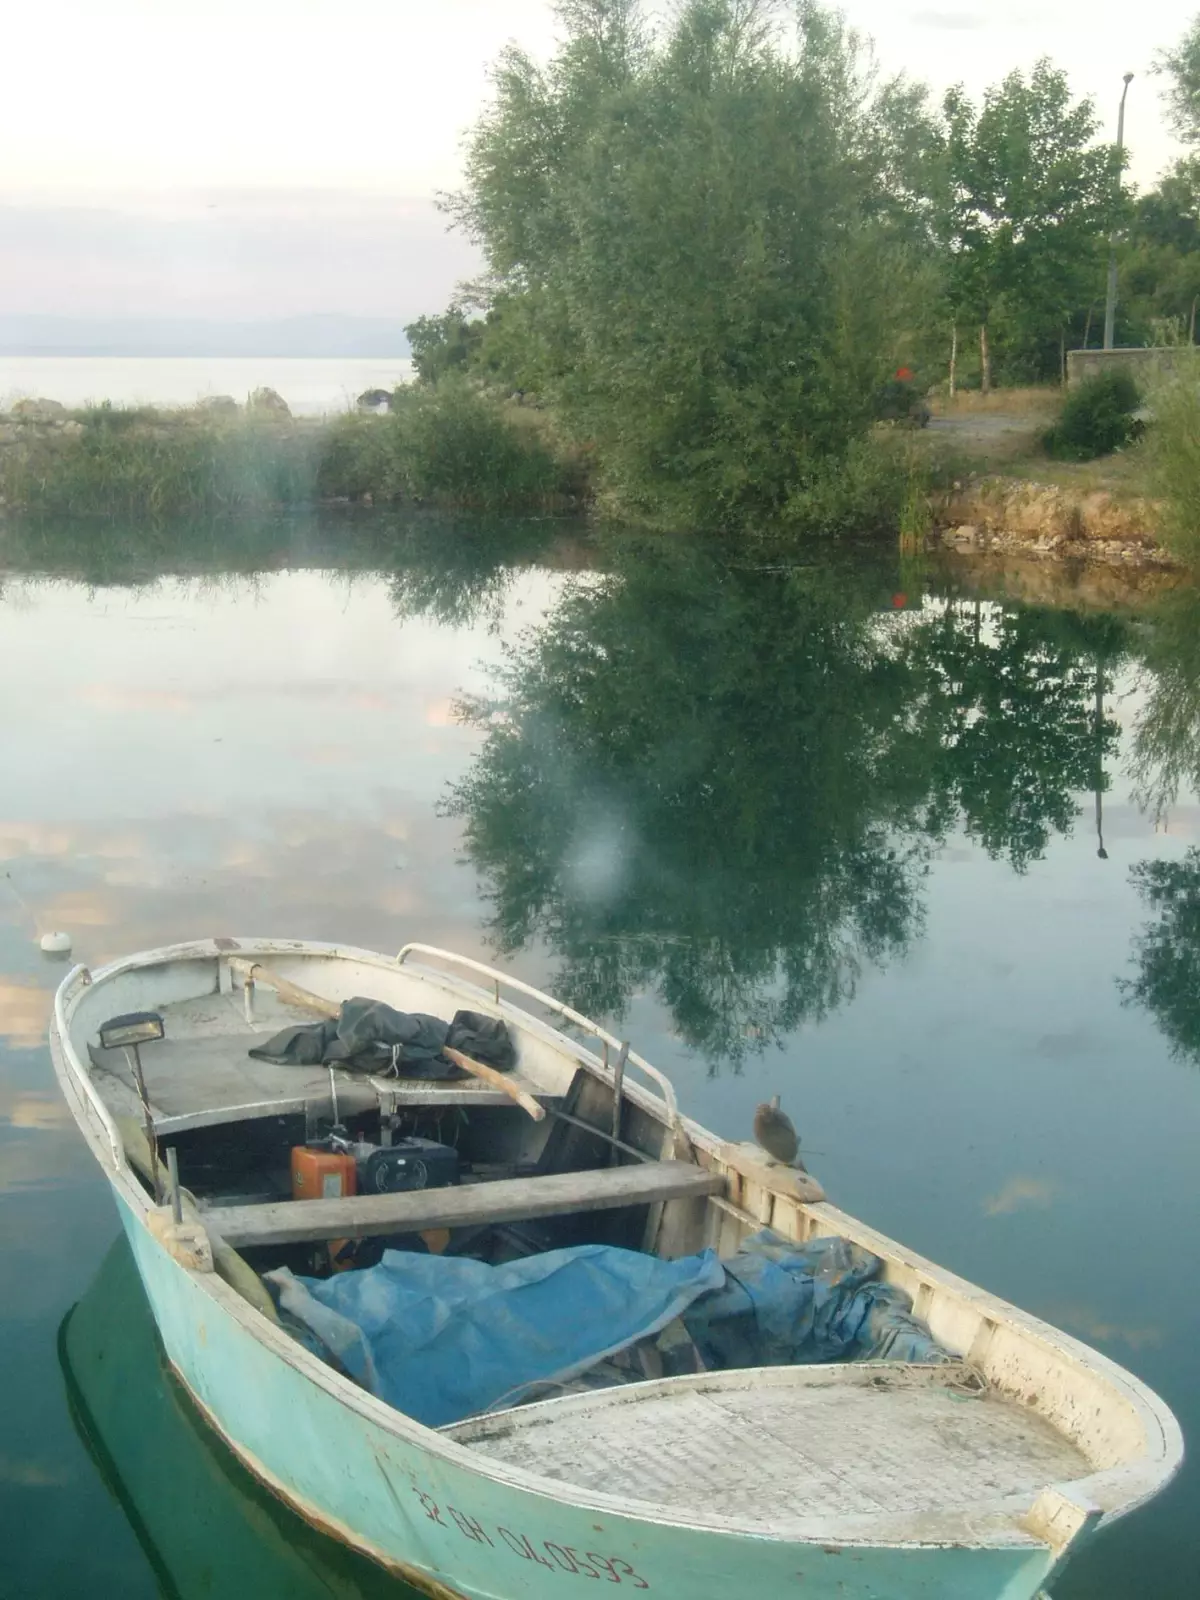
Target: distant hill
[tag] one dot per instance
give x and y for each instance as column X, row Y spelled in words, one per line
column 324, row 335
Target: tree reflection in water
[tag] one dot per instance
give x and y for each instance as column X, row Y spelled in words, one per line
column 726, row 784
column 1166, row 760
column 1167, row 950
column 1166, row 738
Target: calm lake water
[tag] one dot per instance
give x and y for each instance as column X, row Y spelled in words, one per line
column 922, row 860
column 311, row 386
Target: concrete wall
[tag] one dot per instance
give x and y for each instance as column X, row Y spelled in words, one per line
column 1148, row 366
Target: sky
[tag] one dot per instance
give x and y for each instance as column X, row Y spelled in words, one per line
column 259, row 158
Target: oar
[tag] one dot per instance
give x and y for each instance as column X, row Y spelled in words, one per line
column 250, row 972
column 497, row 1081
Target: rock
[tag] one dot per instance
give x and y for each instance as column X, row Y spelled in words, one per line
column 38, row 410
column 224, row 405
column 71, row 428
column 374, row 400
column 267, row 403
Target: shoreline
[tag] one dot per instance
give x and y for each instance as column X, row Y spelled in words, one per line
column 1000, row 514
column 989, row 512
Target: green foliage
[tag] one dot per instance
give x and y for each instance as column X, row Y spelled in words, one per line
column 1172, row 452
column 878, row 486
column 130, row 463
column 1097, row 417
column 450, row 444
column 901, row 398
column 1028, row 201
column 464, row 446
column 443, row 344
column 1160, row 262
column 1181, row 66
column 712, row 237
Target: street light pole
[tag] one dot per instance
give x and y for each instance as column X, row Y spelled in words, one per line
column 1110, row 299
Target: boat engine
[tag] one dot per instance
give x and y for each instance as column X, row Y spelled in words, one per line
column 410, row 1163
column 337, row 1165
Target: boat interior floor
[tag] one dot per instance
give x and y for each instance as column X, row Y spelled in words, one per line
column 766, row 1445
column 201, row 1072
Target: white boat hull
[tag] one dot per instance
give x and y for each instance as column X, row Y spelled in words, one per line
column 441, row 1524
column 446, row 1519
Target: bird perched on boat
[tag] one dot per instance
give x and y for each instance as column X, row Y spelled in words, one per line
column 774, row 1131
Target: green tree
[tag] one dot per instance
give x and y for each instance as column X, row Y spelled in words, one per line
column 443, row 344
column 1029, row 202
column 1160, row 269
column 1181, row 67
column 715, row 234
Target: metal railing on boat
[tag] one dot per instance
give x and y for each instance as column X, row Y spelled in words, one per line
column 593, row 1029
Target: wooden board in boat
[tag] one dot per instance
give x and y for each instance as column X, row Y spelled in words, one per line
column 556, row 1194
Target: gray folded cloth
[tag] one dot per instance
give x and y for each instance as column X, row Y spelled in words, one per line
column 368, row 1036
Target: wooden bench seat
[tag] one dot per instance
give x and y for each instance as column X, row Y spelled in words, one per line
column 462, row 1206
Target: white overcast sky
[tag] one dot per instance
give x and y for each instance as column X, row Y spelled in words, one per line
column 274, row 157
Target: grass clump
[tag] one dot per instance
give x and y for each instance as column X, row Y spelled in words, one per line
column 453, row 445
column 450, row 444
column 1172, row 456
column 1096, row 418
column 117, row 463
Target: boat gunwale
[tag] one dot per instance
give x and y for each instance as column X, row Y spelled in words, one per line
column 1115, row 1491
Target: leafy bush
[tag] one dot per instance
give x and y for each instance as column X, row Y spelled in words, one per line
column 902, row 399
column 451, row 444
column 358, row 457
column 878, row 486
column 1096, row 419
column 461, row 445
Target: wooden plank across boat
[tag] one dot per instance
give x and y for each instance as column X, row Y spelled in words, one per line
column 974, row 1480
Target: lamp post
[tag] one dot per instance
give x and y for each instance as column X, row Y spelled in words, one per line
column 1110, row 298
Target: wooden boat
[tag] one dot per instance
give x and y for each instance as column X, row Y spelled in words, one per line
column 974, row 1480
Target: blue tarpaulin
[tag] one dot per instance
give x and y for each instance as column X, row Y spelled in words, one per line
column 786, row 1304
column 443, row 1338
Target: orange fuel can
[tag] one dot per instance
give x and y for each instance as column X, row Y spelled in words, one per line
column 322, row 1174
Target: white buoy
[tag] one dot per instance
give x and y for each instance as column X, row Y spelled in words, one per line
column 56, row 944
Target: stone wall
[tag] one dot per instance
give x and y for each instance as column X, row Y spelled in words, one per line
column 1147, row 365
column 1045, row 520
